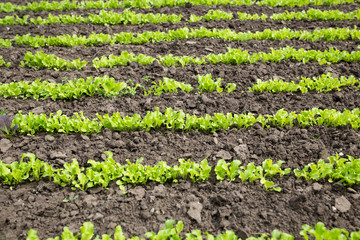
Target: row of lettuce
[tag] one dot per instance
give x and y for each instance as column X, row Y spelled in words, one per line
column 67, row 5
column 131, row 17
column 327, row 34
column 174, row 120
column 110, row 88
column 87, row 232
column 334, row 169
column 41, row 60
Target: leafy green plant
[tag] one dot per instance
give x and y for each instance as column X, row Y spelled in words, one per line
column 103, row 18
column 42, row 60
column 211, row 15
column 323, row 83
column 71, row 198
column 248, row 16
column 321, row 232
column 168, row 86
column 7, row 128
column 327, row 34
column 299, row 3
column 234, row 57
column 3, row 63
column 174, row 232
column 73, row 89
column 230, row 87
column 178, row 120
column 207, row 84
column 316, row 14
column 66, row 5
column 343, row 170
column 3, row 112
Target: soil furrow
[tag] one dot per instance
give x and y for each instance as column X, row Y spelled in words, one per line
column 192, row 47
column 196, row 47
column 264, row 103
column 209, row 207
column 244, row 76
column 297, row 147
column 235, row 24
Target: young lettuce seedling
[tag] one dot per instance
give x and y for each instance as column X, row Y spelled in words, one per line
column 5, row 126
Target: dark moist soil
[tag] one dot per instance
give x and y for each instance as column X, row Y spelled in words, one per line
column 297, row 147
column 215, row 207
column 190, row 47
column 247, row 209
column 235, row 24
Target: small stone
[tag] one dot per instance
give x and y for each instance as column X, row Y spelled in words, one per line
column 49, row 138
column 98, row 216
column 195, row 211
column 295, row 202
column 38, row 110
column 317, row 187
column 90, row 201
column 190, row 42
column 84, row 137
column 138, row 192
column 191, row 103
column 5, row 145
column 337, row 187
column 145, row 214
column 104, row 157
column 242, row 151
column 324, row 154
column 224, row 155
column 321, row 210
column 351, row 190
column 8, row 160
column 54, row 155
column 342, row 204
column 205, row 99
column 216, row 141
column 356, row 196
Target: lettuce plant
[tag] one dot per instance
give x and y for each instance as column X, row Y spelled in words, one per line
column 178, row 120
column 168, row 85
column 174, row 232
column 207, row 84
column 3, row 63
column 66, row 5
column 42, row 60
column 7, row 129
column 323, row 83
column 327, row 34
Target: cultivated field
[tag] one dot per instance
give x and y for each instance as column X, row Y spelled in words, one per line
column 233, row 118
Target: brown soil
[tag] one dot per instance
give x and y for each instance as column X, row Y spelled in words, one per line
column 241, row 207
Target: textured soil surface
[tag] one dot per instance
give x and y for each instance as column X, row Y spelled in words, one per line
column 245, row 208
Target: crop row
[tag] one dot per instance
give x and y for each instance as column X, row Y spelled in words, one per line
column 323, row 83
column 174, row 120
column 329, row 34
column 41, row 60
column 67, row 5
column 174, row 232
column 104, row 86
column 131, row 17
column 335, row 169
column 311, row 14
column 109, row 87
